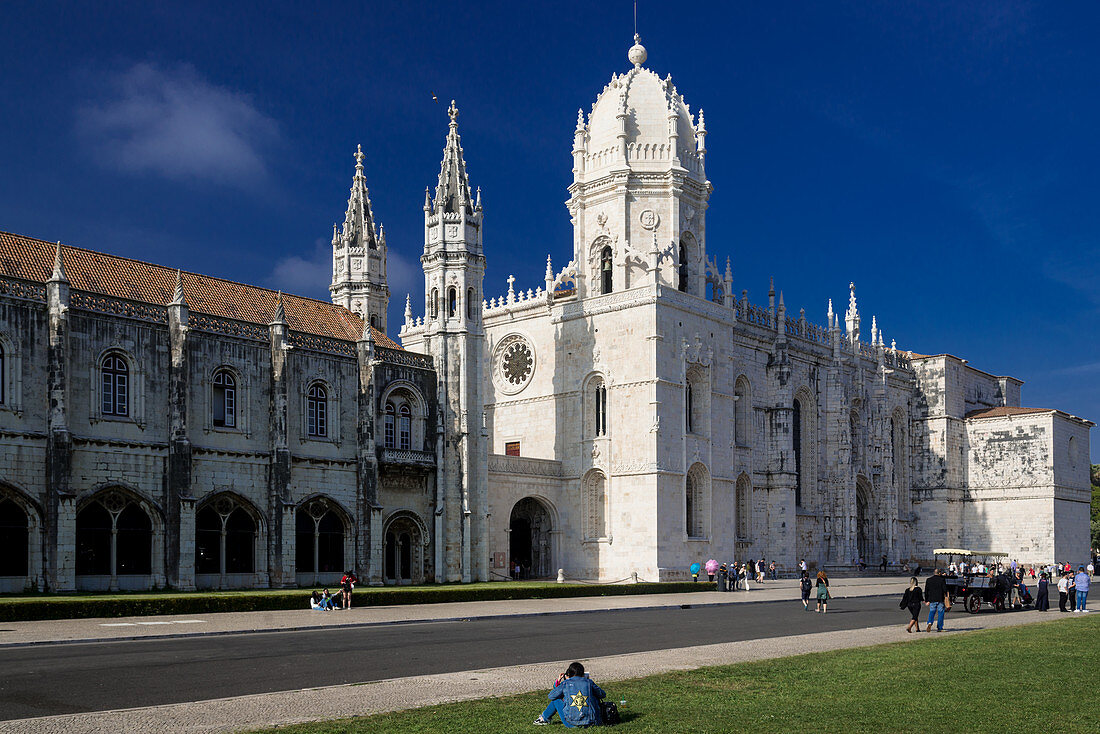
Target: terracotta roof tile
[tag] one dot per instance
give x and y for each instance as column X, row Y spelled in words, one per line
column 1002, row 411
column 134, row 280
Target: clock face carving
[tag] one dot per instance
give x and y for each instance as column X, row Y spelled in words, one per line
column 513, row 364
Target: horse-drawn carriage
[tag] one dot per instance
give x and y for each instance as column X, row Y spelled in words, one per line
column 979, row 583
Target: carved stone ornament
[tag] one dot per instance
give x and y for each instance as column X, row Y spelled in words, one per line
column 649, row 219
column 601, row 219
column 513, row 364
column 452, row 231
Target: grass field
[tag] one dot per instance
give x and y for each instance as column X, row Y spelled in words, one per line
column 1006, row 680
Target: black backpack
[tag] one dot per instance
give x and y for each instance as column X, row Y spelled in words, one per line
column 806, row 585
column 610, row 713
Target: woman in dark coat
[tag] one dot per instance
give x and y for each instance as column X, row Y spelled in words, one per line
column 1042, row 600
column 911, row 600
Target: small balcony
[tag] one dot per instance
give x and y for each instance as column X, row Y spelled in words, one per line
column 408, row 457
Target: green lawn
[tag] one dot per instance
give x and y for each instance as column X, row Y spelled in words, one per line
column 1017, row 679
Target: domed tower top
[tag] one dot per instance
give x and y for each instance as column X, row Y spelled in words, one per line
column 639, row 122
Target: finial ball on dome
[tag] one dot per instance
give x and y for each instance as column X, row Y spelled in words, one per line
column 637, row 53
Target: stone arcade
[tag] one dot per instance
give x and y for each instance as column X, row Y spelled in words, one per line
column 632, row 413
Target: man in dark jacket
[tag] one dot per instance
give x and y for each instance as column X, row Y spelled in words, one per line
column 935, row 596
column 575, row 699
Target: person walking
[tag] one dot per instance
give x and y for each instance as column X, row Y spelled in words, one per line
column 822, row 592
column 775, row 572
column 883, row 564
column 805, row 585
column 912, row 600
column 935, row 596
column 1042, row 600
column 1081, row 583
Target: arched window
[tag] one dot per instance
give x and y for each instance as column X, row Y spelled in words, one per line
column 744, row 508
column 115, row 375
column 435, row 303
column 606, row 270
column 225, row 538
column 2, row 373
column 404, row 427
column 374, row 320
column 595, row 506
column 901, row 462
column 683, row 284
column 452, row 302
column 471, row 304
column 317, row 411
column 320, row 539
column 223, row 400
column 689, row 408
column 796, row 440
column 742, row 410
column 695, row 501
column 857, row 438
column 114, row 536
column 14, row 538
column 390, row 426
column 599, row 399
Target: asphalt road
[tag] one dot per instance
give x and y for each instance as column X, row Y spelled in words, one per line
column 81, row 677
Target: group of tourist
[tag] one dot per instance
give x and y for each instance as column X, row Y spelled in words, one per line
column 1073, row 590
column 742, row 574
column 325, row 601
column 820, row 587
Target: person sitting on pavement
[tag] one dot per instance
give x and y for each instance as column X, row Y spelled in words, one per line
column 575, row 699
column 316, row 601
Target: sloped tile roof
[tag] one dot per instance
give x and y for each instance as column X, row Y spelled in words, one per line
column 120, row 277
column 1002, row 411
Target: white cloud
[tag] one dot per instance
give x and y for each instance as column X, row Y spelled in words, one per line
column 173, row 123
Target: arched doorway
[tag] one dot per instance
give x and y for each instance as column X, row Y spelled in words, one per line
column 529, row 541
column 863, row 522
column 14, row 539
column 403, row 551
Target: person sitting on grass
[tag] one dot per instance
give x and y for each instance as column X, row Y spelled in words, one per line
column 575, row 699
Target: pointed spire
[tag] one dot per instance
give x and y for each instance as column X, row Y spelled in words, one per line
column 408, row 310
column 177, row 295
column 580, row 120
column 58, row 266
column 359, row 230
column 549, row 270
column 829, row 315
column 280, row 312
column 874, row 329
column 477, row 203
column 452, row 193
column 851, row 318
column 427, row 199
column 729, row 270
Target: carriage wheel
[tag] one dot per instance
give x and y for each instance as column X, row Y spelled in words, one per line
column 973, row 603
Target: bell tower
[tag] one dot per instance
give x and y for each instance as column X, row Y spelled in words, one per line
column 359, row 257
column 454, row 268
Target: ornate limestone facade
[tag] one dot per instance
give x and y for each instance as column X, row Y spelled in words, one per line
column 633, row 413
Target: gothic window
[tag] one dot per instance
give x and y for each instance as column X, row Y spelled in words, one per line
column 223, row 400
column 435, row 303
column 452, row 302
column 599, row 398
column 317, row 411
column 14, row 538
column 390, row 423
column 114, row 537
column 857, row 438
column 595, row 506
column 796, row 440
column 606, row 270
column 901, row 462
column 374, row 321
column 115, row 378
column 695, row 496
column 744, row 508
column 471, row 305
column 225, row 538
column 689, row 408
column 742, row 412
column 404, row 427
column 683, row 273
column 319, row 532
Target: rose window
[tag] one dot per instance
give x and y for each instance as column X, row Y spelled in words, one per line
column 515, row 363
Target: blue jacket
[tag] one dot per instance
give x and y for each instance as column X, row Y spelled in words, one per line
column 581, row 698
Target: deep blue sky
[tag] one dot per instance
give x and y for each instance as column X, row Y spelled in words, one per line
column 944, row 156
